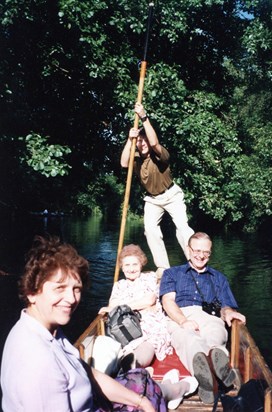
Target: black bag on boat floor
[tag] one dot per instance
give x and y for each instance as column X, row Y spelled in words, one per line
column 123, row 324
column 250, row 398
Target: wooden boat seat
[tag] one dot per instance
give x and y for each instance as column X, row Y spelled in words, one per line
column 170, row 362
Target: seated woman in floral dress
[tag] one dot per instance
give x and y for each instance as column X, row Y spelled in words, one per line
column 139, row 290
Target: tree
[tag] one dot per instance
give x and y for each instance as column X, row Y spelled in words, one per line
column 252, row 105
column 70, row 73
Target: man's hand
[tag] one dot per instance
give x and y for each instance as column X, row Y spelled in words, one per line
column 190, row 324
column 139, row 109
column 229, row 314
column 133, row 133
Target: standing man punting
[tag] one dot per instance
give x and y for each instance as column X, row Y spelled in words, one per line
column 162, row 195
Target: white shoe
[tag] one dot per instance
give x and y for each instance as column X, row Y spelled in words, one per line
column 193, row 382
column 172, row 376
column 193, row 385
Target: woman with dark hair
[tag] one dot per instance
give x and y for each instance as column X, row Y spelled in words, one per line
column 41, row 370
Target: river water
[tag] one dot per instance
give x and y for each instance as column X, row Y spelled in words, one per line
column 244, row 258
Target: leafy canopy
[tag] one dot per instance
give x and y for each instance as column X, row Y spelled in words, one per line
column 70, row 73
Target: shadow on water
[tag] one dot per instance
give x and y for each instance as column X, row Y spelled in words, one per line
column 245, row 259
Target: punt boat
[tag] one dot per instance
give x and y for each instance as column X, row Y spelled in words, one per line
column 245, row 358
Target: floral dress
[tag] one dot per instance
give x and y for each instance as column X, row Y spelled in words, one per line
column 153, row 322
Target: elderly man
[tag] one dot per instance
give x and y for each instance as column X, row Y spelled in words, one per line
column 198, row 301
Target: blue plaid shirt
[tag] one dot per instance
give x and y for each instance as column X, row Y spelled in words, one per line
column 211, row 283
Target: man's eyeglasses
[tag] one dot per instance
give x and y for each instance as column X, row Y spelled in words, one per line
column 198, row 252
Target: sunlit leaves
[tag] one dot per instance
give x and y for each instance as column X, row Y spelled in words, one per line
column 208, row 159
column 70, row 69
column 47, row 159
column 257, row 41
column 97, row 193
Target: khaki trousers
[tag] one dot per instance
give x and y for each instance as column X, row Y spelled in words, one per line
column 212, row 333
column 172, row 201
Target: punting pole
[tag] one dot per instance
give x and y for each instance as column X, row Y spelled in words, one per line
column 133, row 146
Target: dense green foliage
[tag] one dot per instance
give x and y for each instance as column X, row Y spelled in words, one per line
column 70, row 72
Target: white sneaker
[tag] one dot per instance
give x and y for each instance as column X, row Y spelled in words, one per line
column 193, row 386
column 172, row 376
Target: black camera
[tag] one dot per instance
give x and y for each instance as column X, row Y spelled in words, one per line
column 212, row 308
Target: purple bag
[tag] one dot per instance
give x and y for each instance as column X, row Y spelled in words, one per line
column 139, row 381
